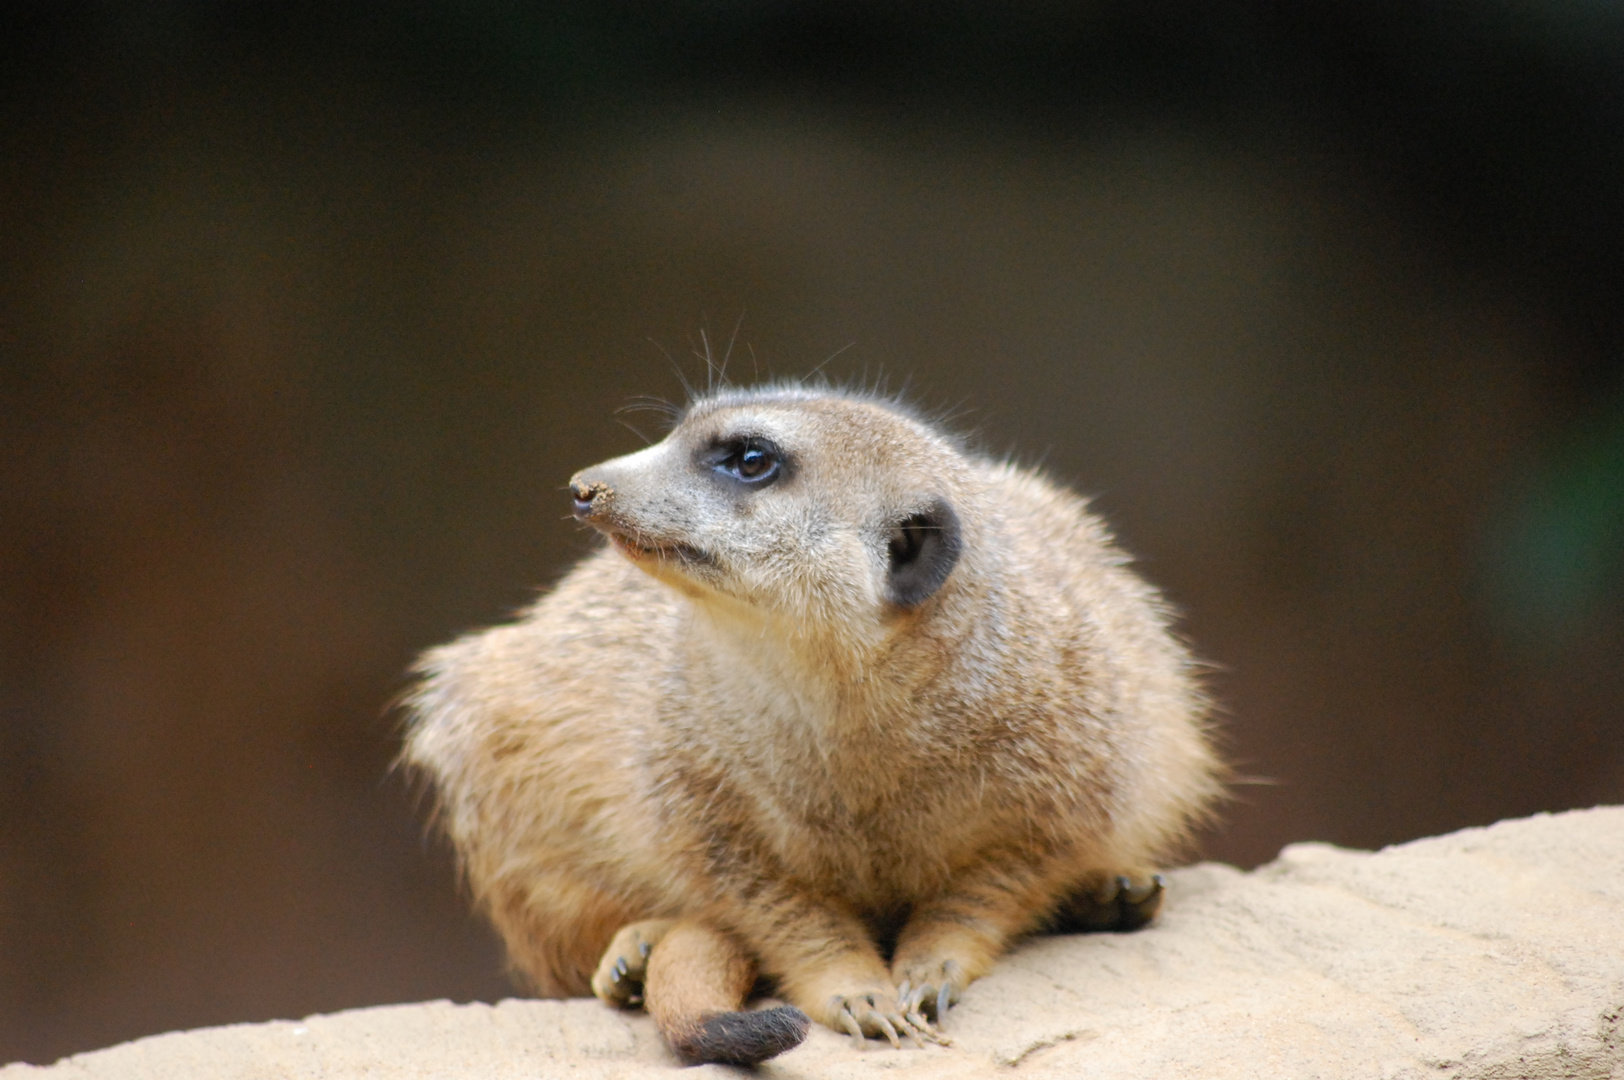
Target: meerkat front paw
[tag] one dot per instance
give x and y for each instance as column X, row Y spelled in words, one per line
column 619, row 978
column 928, row 988
column 1108, row 901
column 877, row 1013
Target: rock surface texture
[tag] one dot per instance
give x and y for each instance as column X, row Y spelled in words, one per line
column 1492, row 953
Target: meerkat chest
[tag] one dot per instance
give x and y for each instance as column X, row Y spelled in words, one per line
column 880, row 840
column 884, row 819
column 841, row 778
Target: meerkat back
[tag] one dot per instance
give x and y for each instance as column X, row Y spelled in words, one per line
column 840, row 704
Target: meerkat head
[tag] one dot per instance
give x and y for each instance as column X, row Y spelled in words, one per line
column 814, row 505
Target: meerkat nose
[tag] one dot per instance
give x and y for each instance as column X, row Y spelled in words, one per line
column 583, row 498
column 590, row 496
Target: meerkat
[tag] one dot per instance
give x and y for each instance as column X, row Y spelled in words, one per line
column 840, row 705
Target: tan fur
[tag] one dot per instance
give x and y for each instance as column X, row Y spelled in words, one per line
column 695, row 973
column 723, row 719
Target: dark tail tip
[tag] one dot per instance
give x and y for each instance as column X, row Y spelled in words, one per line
column 742, row 1038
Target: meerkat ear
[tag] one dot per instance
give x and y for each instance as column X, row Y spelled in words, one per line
column 923, row 549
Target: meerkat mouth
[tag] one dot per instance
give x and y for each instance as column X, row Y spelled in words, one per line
column 644, row 548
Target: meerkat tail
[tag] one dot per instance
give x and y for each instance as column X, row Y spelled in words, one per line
column 697, row 982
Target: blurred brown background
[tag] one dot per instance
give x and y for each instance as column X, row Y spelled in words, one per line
column 307, row 311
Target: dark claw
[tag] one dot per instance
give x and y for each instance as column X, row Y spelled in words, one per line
column 1132, row 895
column 1114, row 902
column 645, row 948
column 943, row 1000
column 887, row 1027
column 1139, row 906
column 849, row 1022
column 621, row 968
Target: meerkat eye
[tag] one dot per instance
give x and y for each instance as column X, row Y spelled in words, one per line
column 750, row 460
column 754, row 462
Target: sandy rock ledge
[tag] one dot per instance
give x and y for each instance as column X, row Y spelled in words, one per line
column 1488, row 953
